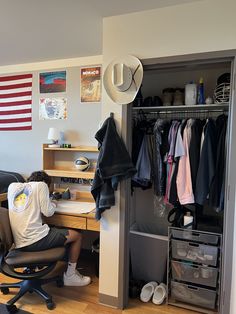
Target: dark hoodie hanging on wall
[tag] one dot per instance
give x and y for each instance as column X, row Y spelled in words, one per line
column 113, row 165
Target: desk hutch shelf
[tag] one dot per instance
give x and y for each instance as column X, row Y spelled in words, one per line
column 59, row 162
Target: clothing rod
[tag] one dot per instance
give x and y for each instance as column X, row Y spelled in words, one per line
column 181, row 111
column 203, row 107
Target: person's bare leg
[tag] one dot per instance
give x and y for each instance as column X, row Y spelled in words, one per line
column 72, row 277
column 75, row 238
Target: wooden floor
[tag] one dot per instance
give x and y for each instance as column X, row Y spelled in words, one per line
column 83, row 300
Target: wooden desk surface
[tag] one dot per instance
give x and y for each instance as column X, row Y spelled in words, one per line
column 74, row 220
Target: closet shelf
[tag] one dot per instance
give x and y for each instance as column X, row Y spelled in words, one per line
column 195, row 108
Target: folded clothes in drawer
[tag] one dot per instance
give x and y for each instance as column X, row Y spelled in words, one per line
column 197, row 236
column 201, row 275
column 195, row 252
column 193, row 295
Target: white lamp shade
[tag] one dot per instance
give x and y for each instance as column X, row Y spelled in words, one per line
column 53, row 134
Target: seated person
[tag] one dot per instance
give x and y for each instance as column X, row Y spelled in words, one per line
column 27, row 201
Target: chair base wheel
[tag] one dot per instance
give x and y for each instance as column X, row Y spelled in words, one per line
column 12, row 309
column 5, row 290
column 50, row 305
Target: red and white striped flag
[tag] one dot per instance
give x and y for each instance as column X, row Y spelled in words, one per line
column 16, row 102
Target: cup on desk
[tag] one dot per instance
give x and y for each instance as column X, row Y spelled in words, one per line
column 73, row 194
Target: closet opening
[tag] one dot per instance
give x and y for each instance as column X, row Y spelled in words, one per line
column 179, row 135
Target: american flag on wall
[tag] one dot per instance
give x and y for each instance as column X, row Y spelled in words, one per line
column 16, row 102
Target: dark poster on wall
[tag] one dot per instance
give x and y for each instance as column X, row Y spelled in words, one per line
column 52, row 82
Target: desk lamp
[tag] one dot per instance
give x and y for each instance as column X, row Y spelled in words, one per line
column 54, row 135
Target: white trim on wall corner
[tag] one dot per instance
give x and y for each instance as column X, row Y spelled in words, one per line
column 53, row 64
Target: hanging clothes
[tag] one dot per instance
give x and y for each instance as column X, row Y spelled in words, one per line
column 161, row 148
column 143, row 176
column 185, row 165
column 137, row 139
column 179, row 152
column 170, row 157
column 217, row 183
column 206, row 169
column 194, row 149
column 184, row 180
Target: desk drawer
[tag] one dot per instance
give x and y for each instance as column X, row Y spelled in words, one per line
column 66, row 221
column 201, row 275
column 194, row 252
column 93, row 224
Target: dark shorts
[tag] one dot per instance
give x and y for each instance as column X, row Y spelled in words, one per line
column 55, row 238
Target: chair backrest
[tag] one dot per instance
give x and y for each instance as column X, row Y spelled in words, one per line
column 6, row 237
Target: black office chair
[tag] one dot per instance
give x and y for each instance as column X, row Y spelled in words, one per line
column 22, row 265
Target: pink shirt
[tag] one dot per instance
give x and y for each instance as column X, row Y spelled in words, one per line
column 184, row 181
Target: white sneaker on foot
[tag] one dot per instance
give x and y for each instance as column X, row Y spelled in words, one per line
column 76, row 279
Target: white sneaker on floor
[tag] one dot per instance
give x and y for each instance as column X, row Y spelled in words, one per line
column 76, row 280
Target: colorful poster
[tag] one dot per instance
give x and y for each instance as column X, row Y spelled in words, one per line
column 90, row 82
column 52, row 108
column 52, row 82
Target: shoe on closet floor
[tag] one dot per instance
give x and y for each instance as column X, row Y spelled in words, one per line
column 76, row 279
column 159, row 294
column 147, row 291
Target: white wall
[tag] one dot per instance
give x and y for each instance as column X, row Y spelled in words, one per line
column 21, row 151
column 185, row 29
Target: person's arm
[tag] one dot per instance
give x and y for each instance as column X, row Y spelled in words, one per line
column 47, row 207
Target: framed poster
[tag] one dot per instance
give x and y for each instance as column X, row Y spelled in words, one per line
column 53, row 108
column 52, row 82
column 90, row 84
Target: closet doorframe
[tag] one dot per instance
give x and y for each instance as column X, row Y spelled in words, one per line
column 230, row 189
column 230, row 201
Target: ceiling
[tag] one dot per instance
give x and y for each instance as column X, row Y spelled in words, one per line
column 41, row 30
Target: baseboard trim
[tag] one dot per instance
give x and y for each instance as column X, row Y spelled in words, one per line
column 108, row 300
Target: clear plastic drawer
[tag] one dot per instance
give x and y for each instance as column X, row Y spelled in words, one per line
column 193, row 295
column 194, row 252
column 190, row 273
column 193, row 236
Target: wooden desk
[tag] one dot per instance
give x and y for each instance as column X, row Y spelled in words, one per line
column 76, row 221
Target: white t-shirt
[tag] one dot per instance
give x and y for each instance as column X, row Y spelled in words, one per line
column 27, row 201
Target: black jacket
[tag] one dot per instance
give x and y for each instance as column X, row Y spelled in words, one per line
column 161, row 148
column 113, row 165
column 217, row 186
column 206, row 169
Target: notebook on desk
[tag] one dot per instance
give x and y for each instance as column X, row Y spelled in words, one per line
column 73, row 207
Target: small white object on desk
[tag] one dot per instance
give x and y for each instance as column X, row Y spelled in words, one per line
column 64, row 206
